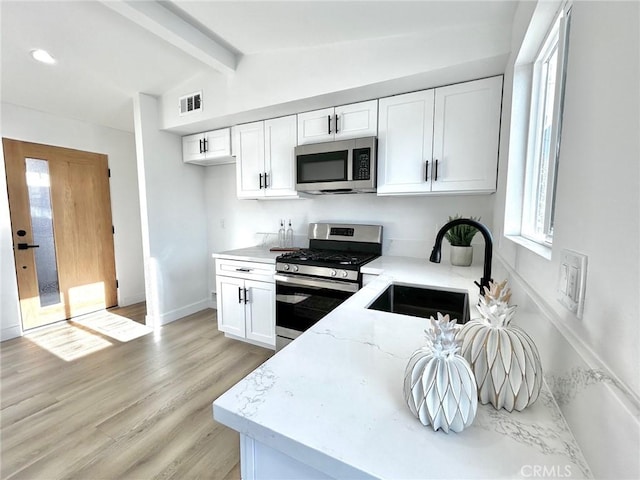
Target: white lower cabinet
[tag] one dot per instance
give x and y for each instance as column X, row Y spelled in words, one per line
column 259, row 461
column 246, row 307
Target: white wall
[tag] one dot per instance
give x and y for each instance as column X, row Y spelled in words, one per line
column 598, row 208
column 174, row 228
column 34, row 126
column 597, row 214
column 275, row 79
column 410, row 223
column 10, row 326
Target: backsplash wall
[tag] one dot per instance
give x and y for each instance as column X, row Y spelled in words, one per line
column 410, row 223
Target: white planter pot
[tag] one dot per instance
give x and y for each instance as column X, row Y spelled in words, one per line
column 461, row 256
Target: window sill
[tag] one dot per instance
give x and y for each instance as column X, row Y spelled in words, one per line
column 542, row 250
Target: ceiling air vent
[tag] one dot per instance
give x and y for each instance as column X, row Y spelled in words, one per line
column 190, row 103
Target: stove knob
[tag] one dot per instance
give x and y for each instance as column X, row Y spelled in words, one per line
column 333, row 273
column 295, row 268
column 344, row 274
column 286, row 267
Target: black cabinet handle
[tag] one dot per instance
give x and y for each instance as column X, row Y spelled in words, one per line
column 24, row 246
column 204, row 146
column 246, row 295
column 329, row 123
column 266, row 177
column 336, row 123
column 200, row 143
column 426, row 171
column 239, row 295
column 260, row 175
column 436, row 177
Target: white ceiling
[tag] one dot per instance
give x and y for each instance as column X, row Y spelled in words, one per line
column 104, row 58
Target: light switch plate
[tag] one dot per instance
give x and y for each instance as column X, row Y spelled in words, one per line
column 572, row 281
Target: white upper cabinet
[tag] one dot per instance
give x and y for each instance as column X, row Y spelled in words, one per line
column 316, row 126
column 265, row 162
column 339, row 123
column 405, row 143
column 465, row 136
column 208, row 148
column 248, row 145
column 279, row 156
column 443, row 140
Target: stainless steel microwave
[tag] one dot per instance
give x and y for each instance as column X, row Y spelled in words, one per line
column 345, row 166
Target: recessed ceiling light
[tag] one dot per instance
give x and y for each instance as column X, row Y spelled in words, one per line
column 43, row 56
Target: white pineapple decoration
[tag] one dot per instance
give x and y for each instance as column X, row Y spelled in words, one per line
column 503, row 357
column 439, row 386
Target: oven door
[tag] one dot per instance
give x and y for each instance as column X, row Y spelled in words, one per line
column 301, row 301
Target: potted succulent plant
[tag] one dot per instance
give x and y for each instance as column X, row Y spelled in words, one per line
column 460, row 236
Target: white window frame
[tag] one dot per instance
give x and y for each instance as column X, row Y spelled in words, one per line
column 537, row 225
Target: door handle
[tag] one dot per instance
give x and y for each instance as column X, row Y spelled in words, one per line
column 24, row 246
column 329, row 123
column 266, row 176
column 426, row 172
column 246, row 295
column 260, row 181
column 239, row 295
column 436, row 177
column 336, row 123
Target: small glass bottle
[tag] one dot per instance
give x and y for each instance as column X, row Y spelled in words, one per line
column 289, row 236
column 281, row 235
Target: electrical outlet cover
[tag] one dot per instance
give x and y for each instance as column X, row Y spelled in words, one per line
column 572, row 281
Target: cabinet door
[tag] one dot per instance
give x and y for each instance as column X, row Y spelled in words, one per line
column 466, row 135
column 279, row 159
column 405, row 143
column 356, row 120
column 192, row 148
column 261, row 312
column 230, row 306
column 316, row 126
column 218, row 143
column 248, row 146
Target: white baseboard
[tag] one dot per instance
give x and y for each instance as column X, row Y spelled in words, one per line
column 252, row 342
column 127, row 300
column 178, row 313
column 10, row 332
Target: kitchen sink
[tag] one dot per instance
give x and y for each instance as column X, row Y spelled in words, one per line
column 423, row 302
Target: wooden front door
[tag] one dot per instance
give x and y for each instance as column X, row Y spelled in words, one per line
column 62, row 232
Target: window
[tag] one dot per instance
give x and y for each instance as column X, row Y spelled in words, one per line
column 545, row 129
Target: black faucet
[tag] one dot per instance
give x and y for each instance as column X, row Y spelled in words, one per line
column 488, row 248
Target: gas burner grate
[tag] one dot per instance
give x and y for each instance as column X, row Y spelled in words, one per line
column 325, row 256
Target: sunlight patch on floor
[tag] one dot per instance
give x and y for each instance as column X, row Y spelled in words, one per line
column 111, row 325
column 68, row 342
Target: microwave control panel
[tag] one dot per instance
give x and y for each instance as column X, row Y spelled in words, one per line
column 361, row 163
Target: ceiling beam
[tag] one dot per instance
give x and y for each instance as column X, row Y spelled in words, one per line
column 155, row 18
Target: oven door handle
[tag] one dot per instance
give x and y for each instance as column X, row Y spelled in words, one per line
column 312, row 282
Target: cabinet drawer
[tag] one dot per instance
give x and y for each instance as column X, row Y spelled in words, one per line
column 262, row 272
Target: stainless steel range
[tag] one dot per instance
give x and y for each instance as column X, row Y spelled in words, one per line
column 312, row 282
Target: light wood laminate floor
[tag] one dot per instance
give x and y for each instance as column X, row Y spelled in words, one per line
column 87, row 401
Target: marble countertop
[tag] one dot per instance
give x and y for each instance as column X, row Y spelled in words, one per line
column 251, row 254
column 333, row 400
